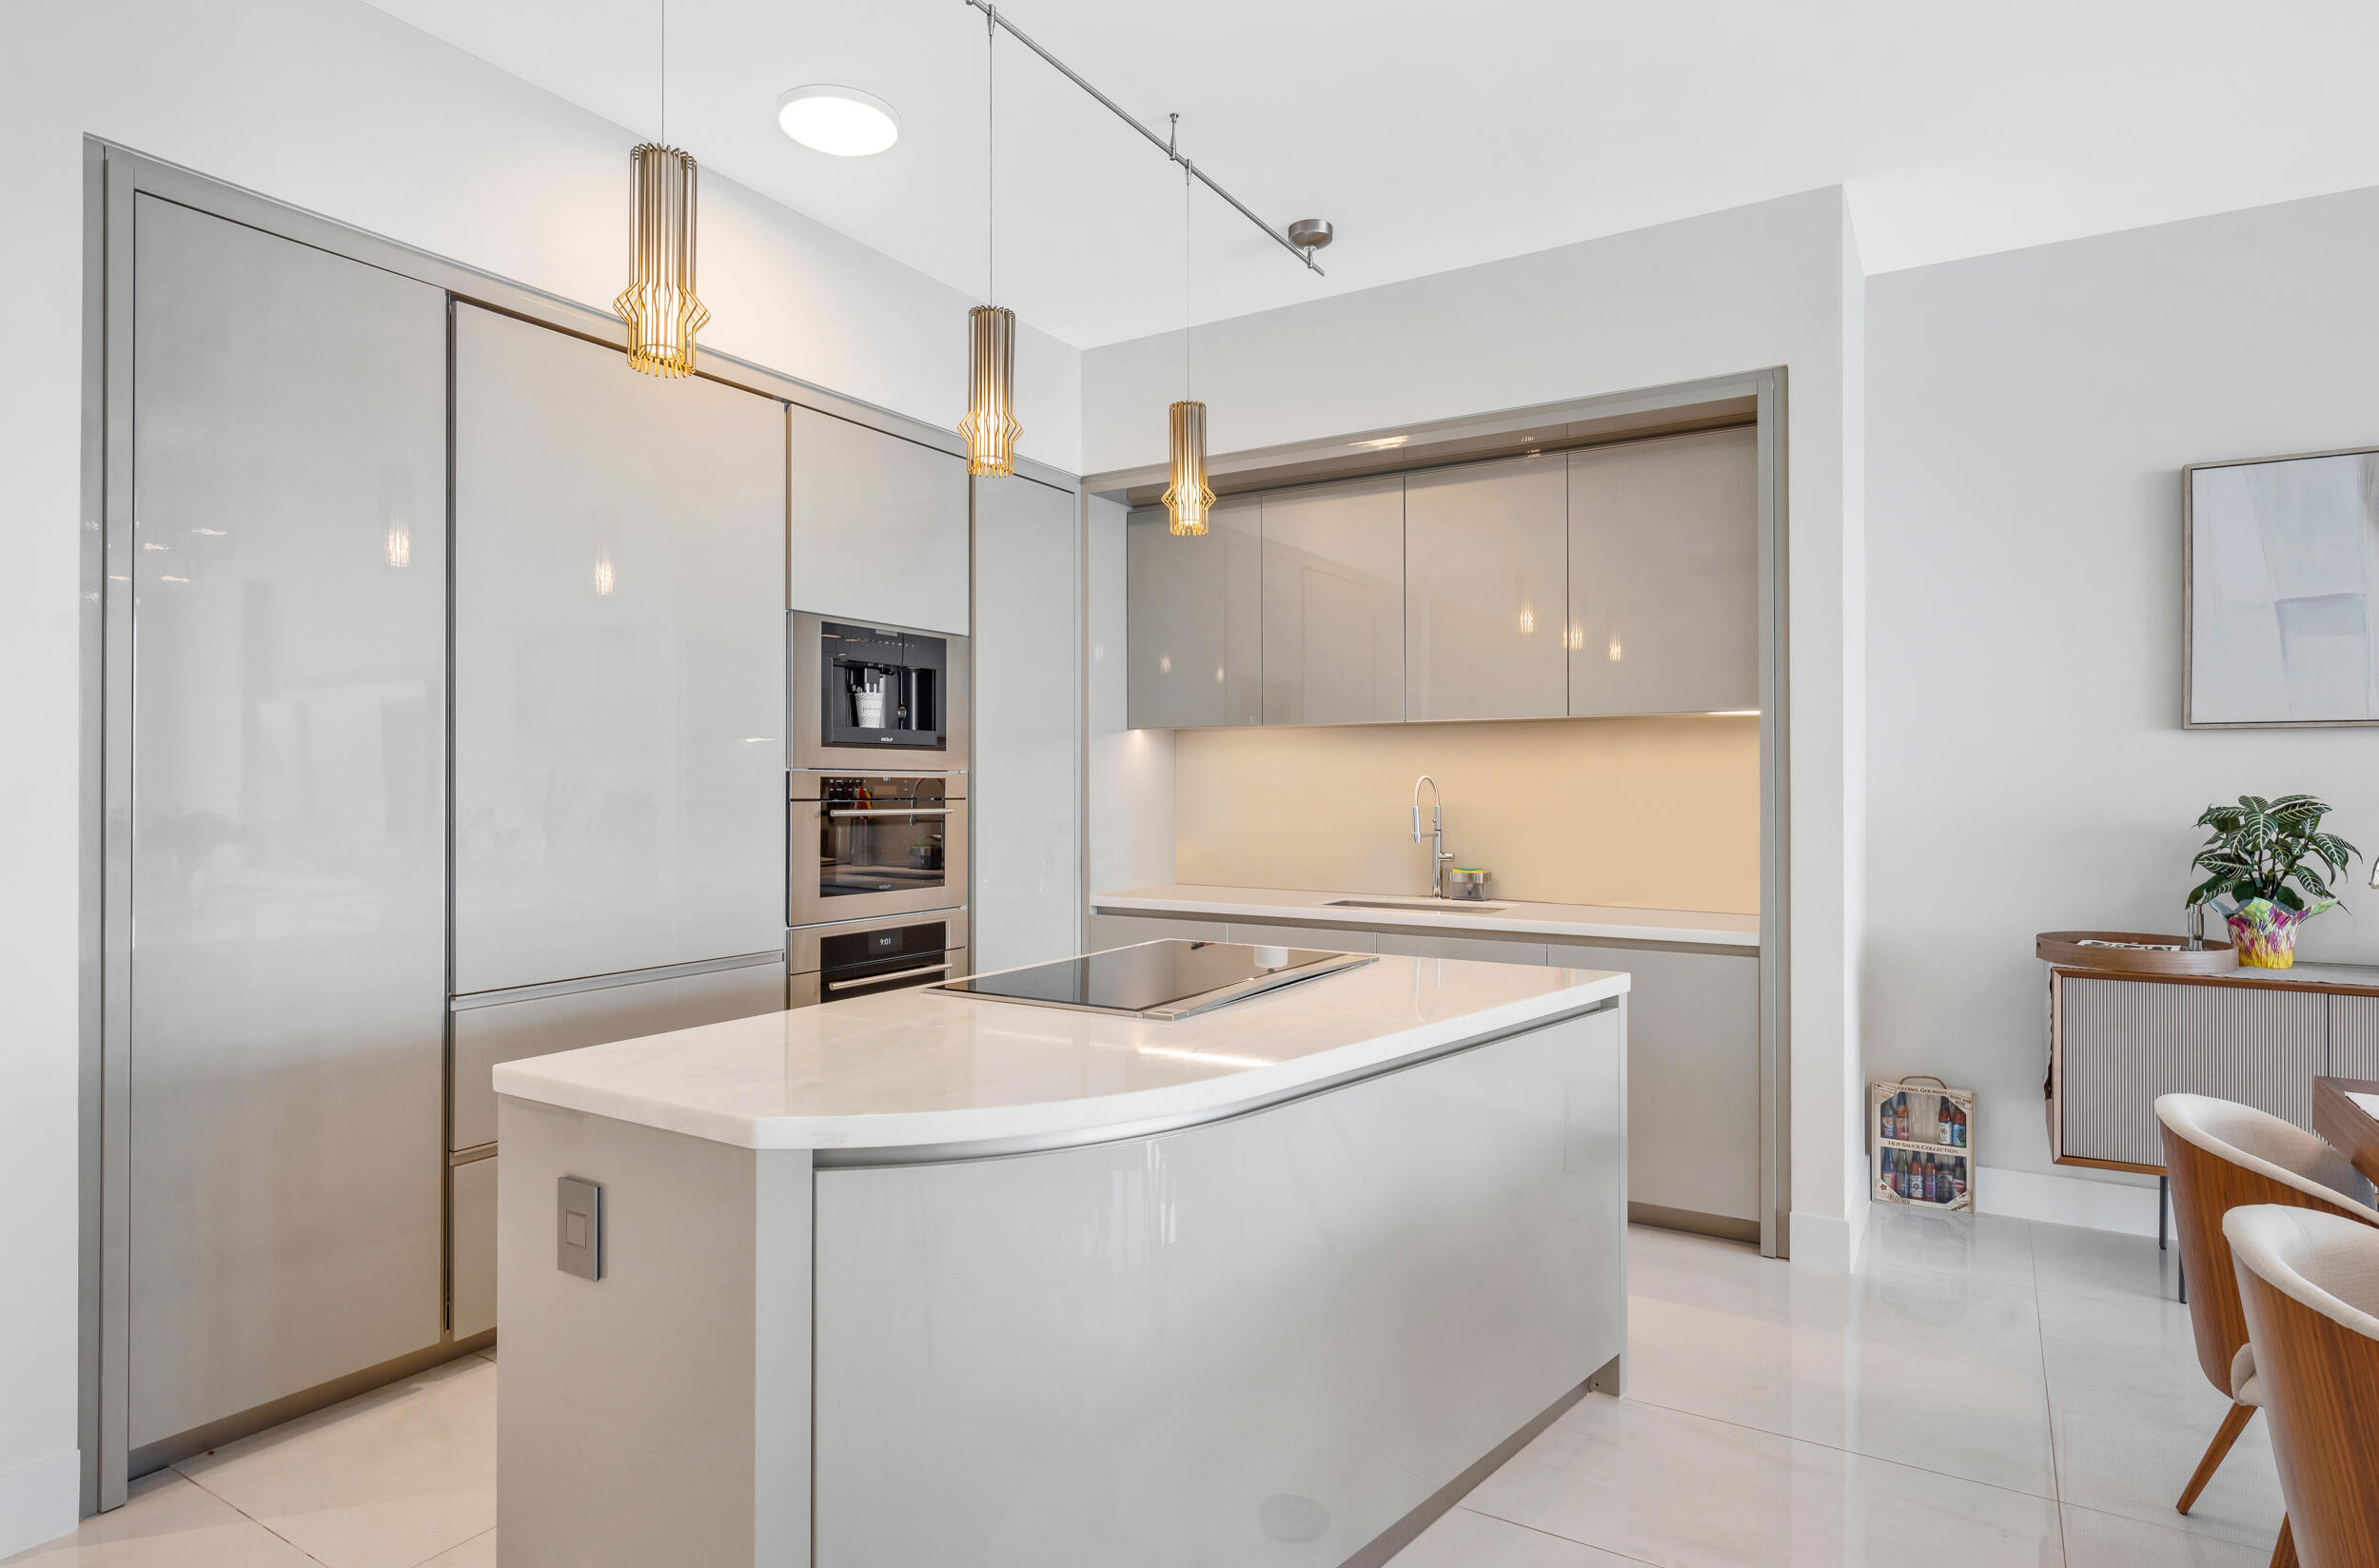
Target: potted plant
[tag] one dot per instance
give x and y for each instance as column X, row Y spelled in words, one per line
column 2257, row 850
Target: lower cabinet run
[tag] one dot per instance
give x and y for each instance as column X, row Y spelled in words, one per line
column 1692, row 1052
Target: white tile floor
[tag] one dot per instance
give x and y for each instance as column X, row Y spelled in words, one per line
column 1982, row 1391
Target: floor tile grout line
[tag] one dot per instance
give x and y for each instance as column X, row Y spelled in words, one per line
column 1556, row 1534
column 245, row 1515
column 1852, row 1453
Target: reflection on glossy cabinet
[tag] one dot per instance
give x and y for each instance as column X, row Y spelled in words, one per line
column 1663, row 574
column 1194, row 618
column 877, row 526
column 1487, row 553
column 1026, row 831
column 1333, row 603
column 619, row 662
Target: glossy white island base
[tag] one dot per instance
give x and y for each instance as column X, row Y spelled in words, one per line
column 919, row 1280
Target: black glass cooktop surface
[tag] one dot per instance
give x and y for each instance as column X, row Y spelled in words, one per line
column 1167, row 979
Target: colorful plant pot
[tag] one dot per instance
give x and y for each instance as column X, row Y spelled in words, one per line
column 2264, row 933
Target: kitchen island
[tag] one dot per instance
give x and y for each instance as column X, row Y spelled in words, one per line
column 925, row 1279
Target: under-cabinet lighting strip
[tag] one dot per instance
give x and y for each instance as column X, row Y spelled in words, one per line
column 1154, row 140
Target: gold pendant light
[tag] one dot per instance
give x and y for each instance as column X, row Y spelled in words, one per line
column 1187, row 498
column 661, row 308
column 990, row 427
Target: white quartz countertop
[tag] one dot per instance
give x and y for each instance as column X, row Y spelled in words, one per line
column 1582, row 922
column 926, row 1071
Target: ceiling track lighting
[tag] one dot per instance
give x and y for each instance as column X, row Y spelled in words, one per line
column 1189, row 498
column 663, row 311
column 990, row 427
column 1301, row 248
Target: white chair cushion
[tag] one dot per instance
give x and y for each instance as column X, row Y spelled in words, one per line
column 2245, row 1389
column 2327, row 1261
column 2264, row 1144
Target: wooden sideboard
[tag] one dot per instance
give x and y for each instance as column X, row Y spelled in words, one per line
column 2118, row 1038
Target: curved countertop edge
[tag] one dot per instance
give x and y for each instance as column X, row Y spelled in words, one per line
column 935, row 1136
column 1523, row 919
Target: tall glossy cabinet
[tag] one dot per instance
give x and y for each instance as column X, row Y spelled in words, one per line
column 1028, row 690
column 287, row 820
column 878, row 524
column 1194, row 604
column 1665, row 575
column 1334, row 603
column 1487, row 580
column 619, row 662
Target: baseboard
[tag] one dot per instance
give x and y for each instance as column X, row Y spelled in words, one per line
column 40, row 1501
column 1826, row 1240
column 2067, row 1200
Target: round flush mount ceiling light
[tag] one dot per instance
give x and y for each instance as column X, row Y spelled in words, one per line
column 843, row 121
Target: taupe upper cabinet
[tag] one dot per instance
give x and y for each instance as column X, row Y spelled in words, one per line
column 1334, row 603
column 1663, row 575
column 1486, row 579
column 619, row 662
column 877, row 526
column 1192, row 607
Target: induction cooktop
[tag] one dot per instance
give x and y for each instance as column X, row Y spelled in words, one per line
column 1163, row 980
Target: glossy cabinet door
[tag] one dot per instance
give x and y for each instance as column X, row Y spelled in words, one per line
column 287, row 820
column 1693, row 1076
column 1258, row 1340
column 1487, row 578
column 619, row 662
column 1665, row 575
column 877, row 526
column 1194, row 618
column 1026, row 823
column 1334, row 603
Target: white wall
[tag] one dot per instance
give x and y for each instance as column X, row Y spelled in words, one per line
column 2029, row 415
column 335, row 106
column 1775, row 284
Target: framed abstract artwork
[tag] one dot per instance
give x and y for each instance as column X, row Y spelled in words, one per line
column 2280, row 591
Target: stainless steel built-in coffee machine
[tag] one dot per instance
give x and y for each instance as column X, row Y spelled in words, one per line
column 879, row 697
column 877, row 805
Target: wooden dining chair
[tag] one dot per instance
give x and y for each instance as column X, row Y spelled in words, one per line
column 2309, row 1282
column 2220, row 1154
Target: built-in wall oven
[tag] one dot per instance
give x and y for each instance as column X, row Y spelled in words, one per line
column 867, row 844
column 864, row 958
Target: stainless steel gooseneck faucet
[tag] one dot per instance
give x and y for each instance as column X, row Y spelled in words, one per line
column 1438, row 857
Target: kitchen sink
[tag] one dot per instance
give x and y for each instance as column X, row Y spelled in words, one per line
column 1448, row 906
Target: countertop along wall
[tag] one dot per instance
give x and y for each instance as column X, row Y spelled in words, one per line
column 1775, row 284
column 338, row 107
column 1660, row 813
column 2030, row 415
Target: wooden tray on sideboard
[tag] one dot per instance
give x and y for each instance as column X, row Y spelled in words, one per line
column 2064, row 948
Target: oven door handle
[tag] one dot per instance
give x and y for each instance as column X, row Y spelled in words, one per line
column 886, row 979
column 895, row 811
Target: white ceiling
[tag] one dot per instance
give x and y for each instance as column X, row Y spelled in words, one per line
column 1435, row 136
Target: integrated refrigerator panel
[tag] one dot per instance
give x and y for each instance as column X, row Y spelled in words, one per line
column 287, row 820
column 1026, row 785
column 619, row 662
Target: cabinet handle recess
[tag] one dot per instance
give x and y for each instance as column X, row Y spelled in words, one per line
column 882, row 979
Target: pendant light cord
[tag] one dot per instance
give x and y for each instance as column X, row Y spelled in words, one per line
column 1172, row 144
column 990, row 153
column 664, row 72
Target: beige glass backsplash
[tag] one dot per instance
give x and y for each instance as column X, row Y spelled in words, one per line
column 1642, row 812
